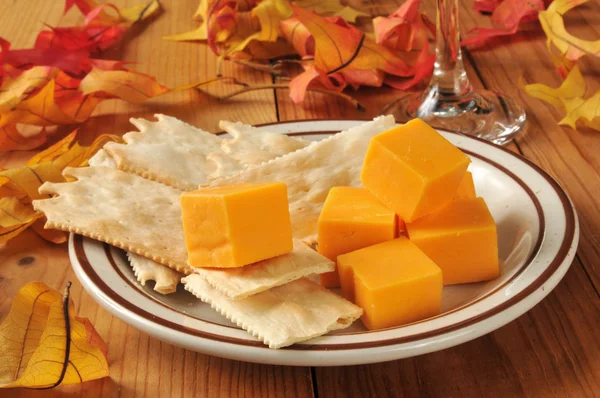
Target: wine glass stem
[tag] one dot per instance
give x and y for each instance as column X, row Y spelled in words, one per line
column 449, row 77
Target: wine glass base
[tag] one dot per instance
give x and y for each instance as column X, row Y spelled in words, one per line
column 484, row 114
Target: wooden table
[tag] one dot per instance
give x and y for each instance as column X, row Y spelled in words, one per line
column 553, row 350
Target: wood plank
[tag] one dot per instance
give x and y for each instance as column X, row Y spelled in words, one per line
column 571, row 156
column 141, row 365
column 550, row 351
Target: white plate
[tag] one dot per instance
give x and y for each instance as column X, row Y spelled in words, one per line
column 538, row 235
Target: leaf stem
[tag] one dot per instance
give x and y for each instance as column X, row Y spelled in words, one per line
column 65, row 304
column 357, row 105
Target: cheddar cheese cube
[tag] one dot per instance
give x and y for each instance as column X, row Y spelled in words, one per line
column 461, row 239
column 235, row 225
column 466, row 188
column 413, row 170
column 394, row 282
column 352, row 218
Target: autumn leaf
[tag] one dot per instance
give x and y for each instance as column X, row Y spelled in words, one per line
column 564, row 47
column 41, row 86
column 405, row 29
column 130, row 86
column 20, row 185
column 44, row 344
column 570, row 97
column 11, row 139
column 339, row 46
column 507, row 17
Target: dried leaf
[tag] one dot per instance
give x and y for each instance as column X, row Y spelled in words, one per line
column 51, row 235
column 19, row 186
column 507, row 17
column 339, row 46
column 12, row 140
column 14, row 218
column 45, row 344
column 54, row 151
column 16, row 90
column 130, row 86
column 568, row 46
column 405, row 29
column 41, row 86
column 570, row 97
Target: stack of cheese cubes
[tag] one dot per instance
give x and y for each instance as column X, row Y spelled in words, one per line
column 416, row 226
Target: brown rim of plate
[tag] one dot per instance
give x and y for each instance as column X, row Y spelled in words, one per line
column 548, row 272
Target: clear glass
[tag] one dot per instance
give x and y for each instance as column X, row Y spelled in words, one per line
column 449, row 102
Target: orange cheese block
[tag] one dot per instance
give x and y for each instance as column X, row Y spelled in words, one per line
column 466, row 189
column 413, row 169
column 352, row 218
column 394, row 282
column 236, row 225
column 461, row 239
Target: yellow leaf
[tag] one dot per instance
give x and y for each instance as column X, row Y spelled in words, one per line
column 570, row 97
column 45, row 344
column 13, row 91
column 573, row 86
column 269, row 16
column 568, row 46
column 29, row 178
column 22, row 329
column 130, row 86
column 40, row 109
column 12, row 213
column 14, row 218
column 140, row 12
column 54, row 151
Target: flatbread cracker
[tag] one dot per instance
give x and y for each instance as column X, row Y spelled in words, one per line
column 165, row 279
column 122, row 209
column 312, row 171
column 182, row 156
column 252, row 145
column 168, row 151
column 287, row 314
column 102, row 159
column 238, row 283
column 144, row 217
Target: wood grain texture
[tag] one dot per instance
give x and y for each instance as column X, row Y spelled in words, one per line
column 553, row 350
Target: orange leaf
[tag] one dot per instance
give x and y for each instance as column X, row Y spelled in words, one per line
column 130, row 86
column 54, row 151
column 11, row 139
column 339, row 46
column 51, row 235
column 405, row 29
column 45, row 344
column 39, row 109
column 298, row 36
column 14, row 90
